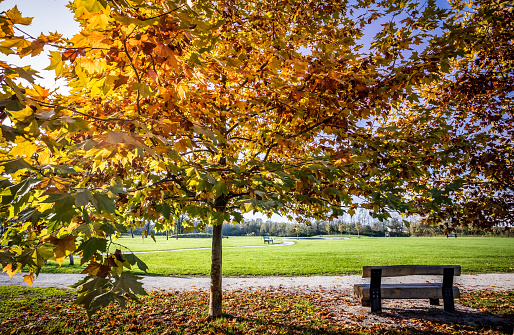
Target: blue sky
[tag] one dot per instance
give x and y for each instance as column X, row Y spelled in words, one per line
column 49, row 16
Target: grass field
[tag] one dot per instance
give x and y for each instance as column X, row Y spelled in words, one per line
column 147, row 244
column 318, row 257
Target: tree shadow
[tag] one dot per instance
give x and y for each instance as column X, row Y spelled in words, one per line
column 416, row 318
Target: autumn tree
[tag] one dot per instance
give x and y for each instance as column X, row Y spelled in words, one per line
column 460, row 126
column 219, row 108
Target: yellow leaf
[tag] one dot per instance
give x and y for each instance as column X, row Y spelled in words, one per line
column 98, row 20
column 15, row 17
column 28, row 278
column 22, row 115
column 8, row 268
column 23, row 148
column 181, row 91
column 91, row 66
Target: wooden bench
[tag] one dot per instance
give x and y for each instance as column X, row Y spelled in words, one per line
column 371, row 294
column 267, row 239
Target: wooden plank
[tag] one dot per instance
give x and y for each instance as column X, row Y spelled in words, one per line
column 409, row 270
column 405, row 291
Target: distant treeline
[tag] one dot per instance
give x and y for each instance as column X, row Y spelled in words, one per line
column 393, row 227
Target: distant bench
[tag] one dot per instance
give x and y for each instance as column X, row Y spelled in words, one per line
column 267, row 239
column 372, row 294
column 451, row 235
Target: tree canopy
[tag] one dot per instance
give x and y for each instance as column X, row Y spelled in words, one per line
column 219, row 108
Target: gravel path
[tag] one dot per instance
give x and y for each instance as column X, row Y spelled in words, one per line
column 501, row 281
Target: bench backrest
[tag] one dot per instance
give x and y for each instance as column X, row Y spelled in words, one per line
column 410, row 270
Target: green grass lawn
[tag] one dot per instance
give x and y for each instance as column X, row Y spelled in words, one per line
column 161, row 243
column 320, row 257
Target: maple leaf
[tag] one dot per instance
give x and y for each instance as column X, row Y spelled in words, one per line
column 55, row 184
column 15, row 17
column 23, row 148
column 91, row 66
column 63, row 247
column 28, row 278
column 96, row 269
column 9, row 269
column 98, row 20
column 38, row 92
column 56, row 63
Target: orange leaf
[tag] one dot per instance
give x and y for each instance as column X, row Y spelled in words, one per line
column 55, row 184
column 28, row 278
column 9, row 270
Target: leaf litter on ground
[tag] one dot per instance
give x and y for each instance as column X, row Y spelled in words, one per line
column 264, row 311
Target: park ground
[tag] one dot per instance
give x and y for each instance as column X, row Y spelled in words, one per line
column 307, row 305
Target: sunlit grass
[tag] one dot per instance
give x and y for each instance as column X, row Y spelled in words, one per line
column 161, row 243
column 325, row 257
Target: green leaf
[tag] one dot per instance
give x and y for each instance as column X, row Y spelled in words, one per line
column 104, row 203
column 60, row 169
column 92, row 246
column 13, row 165
column 26, row 73
column 220, row 188
column 165, row 210
column 143, row 89
column 9, row 133
column 83, row 198
column 133, row 259
column 30, row 214
column 63, row 209
column 128, row 282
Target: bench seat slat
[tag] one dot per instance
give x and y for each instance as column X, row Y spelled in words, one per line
column 405, row 291
column 409, row 270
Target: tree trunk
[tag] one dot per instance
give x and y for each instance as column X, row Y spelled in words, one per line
column 72, row 261
column 215, row 300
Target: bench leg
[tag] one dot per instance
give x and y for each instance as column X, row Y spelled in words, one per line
column 374, row 290
column 449, row 305
column 434, row 302
column 376, row 305
column 365, row 303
